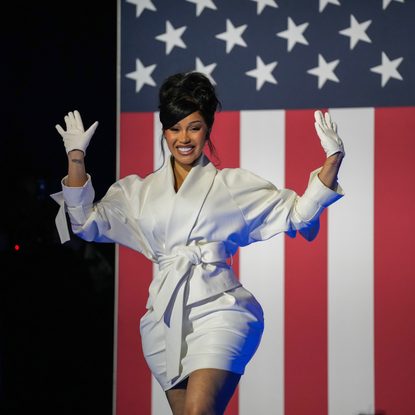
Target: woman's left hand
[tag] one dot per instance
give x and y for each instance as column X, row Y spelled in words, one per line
column 327, row 131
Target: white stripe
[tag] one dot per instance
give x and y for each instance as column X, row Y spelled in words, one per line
column 261, row 389
column 350, row 270
column 159, row 404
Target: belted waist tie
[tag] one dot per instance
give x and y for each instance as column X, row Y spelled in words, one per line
column 170, row 300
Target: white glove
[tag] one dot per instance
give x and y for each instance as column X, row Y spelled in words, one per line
column 327, row 131
column 75, row 137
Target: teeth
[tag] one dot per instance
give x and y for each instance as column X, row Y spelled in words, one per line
column 184, row 149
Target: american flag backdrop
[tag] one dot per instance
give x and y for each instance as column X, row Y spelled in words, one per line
column 340, row 311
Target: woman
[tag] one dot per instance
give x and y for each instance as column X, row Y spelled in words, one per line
column 202, row 327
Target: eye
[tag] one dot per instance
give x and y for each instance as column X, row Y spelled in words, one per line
column 196, row 127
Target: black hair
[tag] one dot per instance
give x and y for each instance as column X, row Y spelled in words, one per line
column 183, row 94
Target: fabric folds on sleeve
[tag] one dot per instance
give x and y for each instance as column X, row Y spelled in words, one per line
column 76, row 199
column 111, row 219
column 269, row 211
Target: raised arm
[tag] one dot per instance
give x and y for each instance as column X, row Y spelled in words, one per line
column 328, row 174
column 76, row 140
column 76, row 169
column 333, row 146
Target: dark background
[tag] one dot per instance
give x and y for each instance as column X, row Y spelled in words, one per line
column 56, row 301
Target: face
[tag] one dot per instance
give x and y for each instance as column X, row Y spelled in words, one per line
column 187, row 139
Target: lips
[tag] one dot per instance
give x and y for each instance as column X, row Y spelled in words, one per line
column 185, row 150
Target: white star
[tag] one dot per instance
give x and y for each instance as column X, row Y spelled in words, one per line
column 324, row 71
column 262, row 3
column 356, row 31
column 172, row 37
column 294, row 34
column 232, row 36
column 388, row 69
column 206, row 70
column 201, row 4
column 262, row 73
column 141, row 5
column 142, row 75
column 324, row 3
column 387, row 2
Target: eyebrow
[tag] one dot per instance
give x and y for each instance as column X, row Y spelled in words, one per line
column 190, row 123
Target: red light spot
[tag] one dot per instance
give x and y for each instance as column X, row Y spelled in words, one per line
column 16, row 247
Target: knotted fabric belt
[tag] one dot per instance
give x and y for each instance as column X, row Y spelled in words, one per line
column 170, row 300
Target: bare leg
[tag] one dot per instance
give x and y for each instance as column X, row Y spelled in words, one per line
column 208, row 392
column 177, row 398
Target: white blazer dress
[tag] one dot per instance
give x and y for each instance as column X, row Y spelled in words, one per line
column 198, row 315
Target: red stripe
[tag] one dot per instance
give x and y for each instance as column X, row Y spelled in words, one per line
column 394, row 264
column 135, row 274
column 225, row 136
column 305, row 282
column 136, row 144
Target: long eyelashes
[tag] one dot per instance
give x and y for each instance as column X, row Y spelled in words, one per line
column 192, row 130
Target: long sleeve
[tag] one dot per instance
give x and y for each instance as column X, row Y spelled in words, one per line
column 112, row 219
column 268, row 211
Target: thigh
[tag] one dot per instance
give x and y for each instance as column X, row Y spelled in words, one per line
column 205, row 391
column 177, row 398
column 210, row 390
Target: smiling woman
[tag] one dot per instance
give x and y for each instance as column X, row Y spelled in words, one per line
column 186, row 141
column 202, row 327
column 188, row 103
column 183, row 94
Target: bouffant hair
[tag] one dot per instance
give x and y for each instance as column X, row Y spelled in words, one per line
column 183, row 94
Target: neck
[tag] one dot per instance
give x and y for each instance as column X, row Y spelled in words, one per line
column 180, row 173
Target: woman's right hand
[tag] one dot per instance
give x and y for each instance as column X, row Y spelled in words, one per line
column 75, row 137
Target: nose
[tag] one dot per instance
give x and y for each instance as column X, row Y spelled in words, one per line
column 184, row 138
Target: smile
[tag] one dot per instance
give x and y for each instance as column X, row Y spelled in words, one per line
column 185, row 150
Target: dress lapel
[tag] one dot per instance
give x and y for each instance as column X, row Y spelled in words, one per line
column 188, row 202
column 161, row 196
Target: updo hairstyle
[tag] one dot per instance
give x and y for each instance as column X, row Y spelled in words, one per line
column 183, row 94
